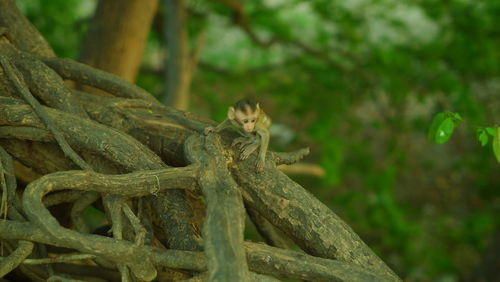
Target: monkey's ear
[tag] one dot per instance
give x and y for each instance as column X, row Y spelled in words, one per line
column 258, row 106
column 230, row 113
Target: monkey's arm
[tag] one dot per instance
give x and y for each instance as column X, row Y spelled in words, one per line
column 242, row 142
column 264, row 142
column 226, row 123
column 249, row 147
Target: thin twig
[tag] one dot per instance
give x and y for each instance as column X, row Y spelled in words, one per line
column 68, row 258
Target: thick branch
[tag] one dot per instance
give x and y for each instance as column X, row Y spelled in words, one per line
column 135, row 184
column 16, row 257
column 266, row 230
column 311, row 224
column 22, row 89
column 291, row 264
column 87, row 135
column 70, row 69
column 262, row 259
column 21, row 32
column 126, row 152
column 115, row 250
column 225, row 219
column 280, row 158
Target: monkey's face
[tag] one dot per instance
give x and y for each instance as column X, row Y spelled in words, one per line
column 247, row 120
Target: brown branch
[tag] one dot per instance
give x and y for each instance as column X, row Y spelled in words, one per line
column 87, row 135
column 292, row 264
column 266, row 229
column 59, row 259
column 87, row 272
column 24, row 92
column 36, row 212
column 21, row 32
column 70, row 69
column 9, row 184
column 15, row 258
column 311, row 224
column 139, row 230
column 164, row 130
column 288, row 158
column 303, row 169
column 26, row 133
column 225, row 215
column 135, row 184
column 261, row 258
column 254, row 277
column 123, row 152
column 58, row 198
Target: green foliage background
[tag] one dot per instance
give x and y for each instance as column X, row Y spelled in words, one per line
column 359, row 82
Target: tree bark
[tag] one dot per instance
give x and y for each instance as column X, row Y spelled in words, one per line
column 177, row 66
column 117, row 35
column 21, row 32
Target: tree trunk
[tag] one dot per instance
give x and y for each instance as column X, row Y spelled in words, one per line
column 117, row 35
column 177, row 66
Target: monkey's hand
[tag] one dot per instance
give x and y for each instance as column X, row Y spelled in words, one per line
column 259, row 165
column 239, row 142
column 242, row 142
column 248, row 150
column 209, row 130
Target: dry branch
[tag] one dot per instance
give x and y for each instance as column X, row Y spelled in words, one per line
column 225, row 220
column 261, row 259
column 21, row 32
column 69, row 69
column 16, row 257
column 14, row 76
column 312, row 225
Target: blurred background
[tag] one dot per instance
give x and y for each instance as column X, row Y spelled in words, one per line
column 359, row 82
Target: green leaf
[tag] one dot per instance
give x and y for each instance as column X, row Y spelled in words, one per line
column 491, row 131
column 483, row 137
column 496, row 144
column 456, row 116
column 436, row 122
column 444, row 131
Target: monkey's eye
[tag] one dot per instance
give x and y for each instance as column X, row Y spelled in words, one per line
column 245, row 121
column 253, row 120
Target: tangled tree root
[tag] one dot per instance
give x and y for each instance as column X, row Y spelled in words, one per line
column 175, row 200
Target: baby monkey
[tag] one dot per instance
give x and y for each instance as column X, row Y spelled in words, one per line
column 247, row 115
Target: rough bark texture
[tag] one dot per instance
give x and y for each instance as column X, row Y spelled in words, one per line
column 312, row 225
column 171, row 196
column 21, row 32
column 225, row 220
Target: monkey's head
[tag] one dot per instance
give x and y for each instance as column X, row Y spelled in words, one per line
column 246, row 113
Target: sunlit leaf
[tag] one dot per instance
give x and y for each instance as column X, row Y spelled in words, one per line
column 444, row 131
column 436, row 122
column 483, row 137
column 496, row 144
column 491, row 131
